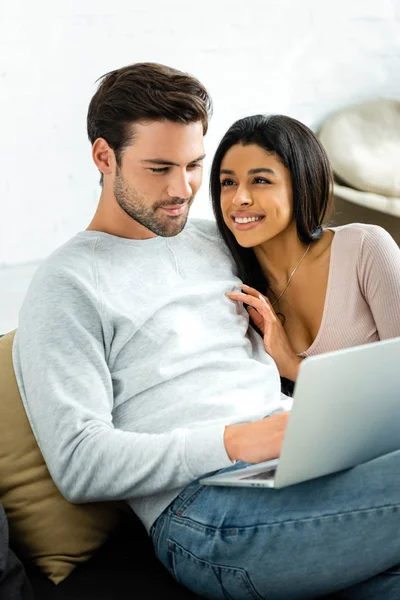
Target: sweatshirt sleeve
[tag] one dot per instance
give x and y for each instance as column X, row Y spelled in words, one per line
column 380, row 280
column 60, row 362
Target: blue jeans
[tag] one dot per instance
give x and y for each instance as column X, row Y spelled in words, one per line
column 337, row 536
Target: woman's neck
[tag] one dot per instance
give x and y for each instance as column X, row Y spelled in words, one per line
column 279, row 256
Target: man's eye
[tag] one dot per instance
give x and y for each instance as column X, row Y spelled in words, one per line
column 159, row 170
column 195, row 166
column 227, row 182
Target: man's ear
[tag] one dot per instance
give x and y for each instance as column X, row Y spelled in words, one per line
column 103, row 156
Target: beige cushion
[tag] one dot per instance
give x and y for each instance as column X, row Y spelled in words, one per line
column 390, row 206
column 44, row 527
column 363, row 145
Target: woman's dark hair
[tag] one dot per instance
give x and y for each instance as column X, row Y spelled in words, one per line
column 312, row 181
column 140, row 92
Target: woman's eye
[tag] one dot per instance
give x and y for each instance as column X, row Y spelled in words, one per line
column 261, row 180
column 227, row 182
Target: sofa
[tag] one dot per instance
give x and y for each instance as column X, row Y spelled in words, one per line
column 119, row 570
column 347, row 211
column 98, row 551
column 363, row 147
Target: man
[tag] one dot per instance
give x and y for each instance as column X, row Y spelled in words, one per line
column 139, row 376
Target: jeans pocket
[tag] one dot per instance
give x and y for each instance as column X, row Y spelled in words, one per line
column 210, row 580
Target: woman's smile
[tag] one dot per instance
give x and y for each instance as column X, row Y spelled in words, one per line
column 244, row 220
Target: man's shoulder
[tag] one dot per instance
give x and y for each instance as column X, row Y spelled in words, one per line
column 205, row 227
column 203, row 238
column 65, row 281
column 73, row 260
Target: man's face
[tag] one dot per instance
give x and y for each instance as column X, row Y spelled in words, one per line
column 160, row 174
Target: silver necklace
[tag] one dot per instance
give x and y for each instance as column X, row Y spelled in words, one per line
column 291, row 275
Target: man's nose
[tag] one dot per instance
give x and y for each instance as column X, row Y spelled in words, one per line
column 179, row 186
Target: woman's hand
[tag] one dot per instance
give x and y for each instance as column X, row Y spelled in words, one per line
column 276, row 342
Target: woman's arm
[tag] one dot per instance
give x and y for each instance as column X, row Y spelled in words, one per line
column 379, row 274
column 276, row 342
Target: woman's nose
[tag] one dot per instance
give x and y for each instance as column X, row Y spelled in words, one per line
column 242, row 198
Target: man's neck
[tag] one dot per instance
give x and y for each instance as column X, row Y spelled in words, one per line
column 110, row 218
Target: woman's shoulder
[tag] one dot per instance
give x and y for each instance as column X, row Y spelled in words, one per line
column 360, row 234
column 365, row 242
column 357, row 230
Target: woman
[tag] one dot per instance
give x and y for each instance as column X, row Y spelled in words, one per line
column 323, row 288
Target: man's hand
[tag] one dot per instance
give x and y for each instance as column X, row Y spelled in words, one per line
column 257, row 441
column 276, row 342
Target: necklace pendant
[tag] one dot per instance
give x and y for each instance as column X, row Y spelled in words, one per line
column 291, row 276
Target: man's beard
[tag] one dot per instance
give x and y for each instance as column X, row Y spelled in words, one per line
column 157, row 221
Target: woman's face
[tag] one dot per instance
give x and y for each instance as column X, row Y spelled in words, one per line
column 256, row 194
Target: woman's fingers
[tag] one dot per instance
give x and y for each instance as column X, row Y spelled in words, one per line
column 257, row 319
column 250, row 290
column 247, row 299
column 253, row 292
column 259, row 303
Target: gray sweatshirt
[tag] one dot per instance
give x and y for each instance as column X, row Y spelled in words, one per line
column 131, row 361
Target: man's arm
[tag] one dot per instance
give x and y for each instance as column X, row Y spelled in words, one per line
column 66, row 386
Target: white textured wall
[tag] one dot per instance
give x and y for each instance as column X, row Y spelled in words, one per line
column 304, row 58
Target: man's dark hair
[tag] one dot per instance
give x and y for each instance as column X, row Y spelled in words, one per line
column 144, row 92
column 312, row 181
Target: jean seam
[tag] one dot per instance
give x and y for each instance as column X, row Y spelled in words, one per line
column 211, row 565
column 177, row 508
column 189, row 522
column 156, row 536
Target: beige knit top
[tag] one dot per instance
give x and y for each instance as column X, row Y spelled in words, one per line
column 362, row 302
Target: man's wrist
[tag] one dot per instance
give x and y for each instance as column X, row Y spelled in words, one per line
column 230, row 441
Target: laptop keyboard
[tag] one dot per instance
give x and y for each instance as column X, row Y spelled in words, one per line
column 265, row 476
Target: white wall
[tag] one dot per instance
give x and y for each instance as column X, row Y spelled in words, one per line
column 304, row 58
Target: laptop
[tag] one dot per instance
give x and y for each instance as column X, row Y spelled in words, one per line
column 346, row 411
